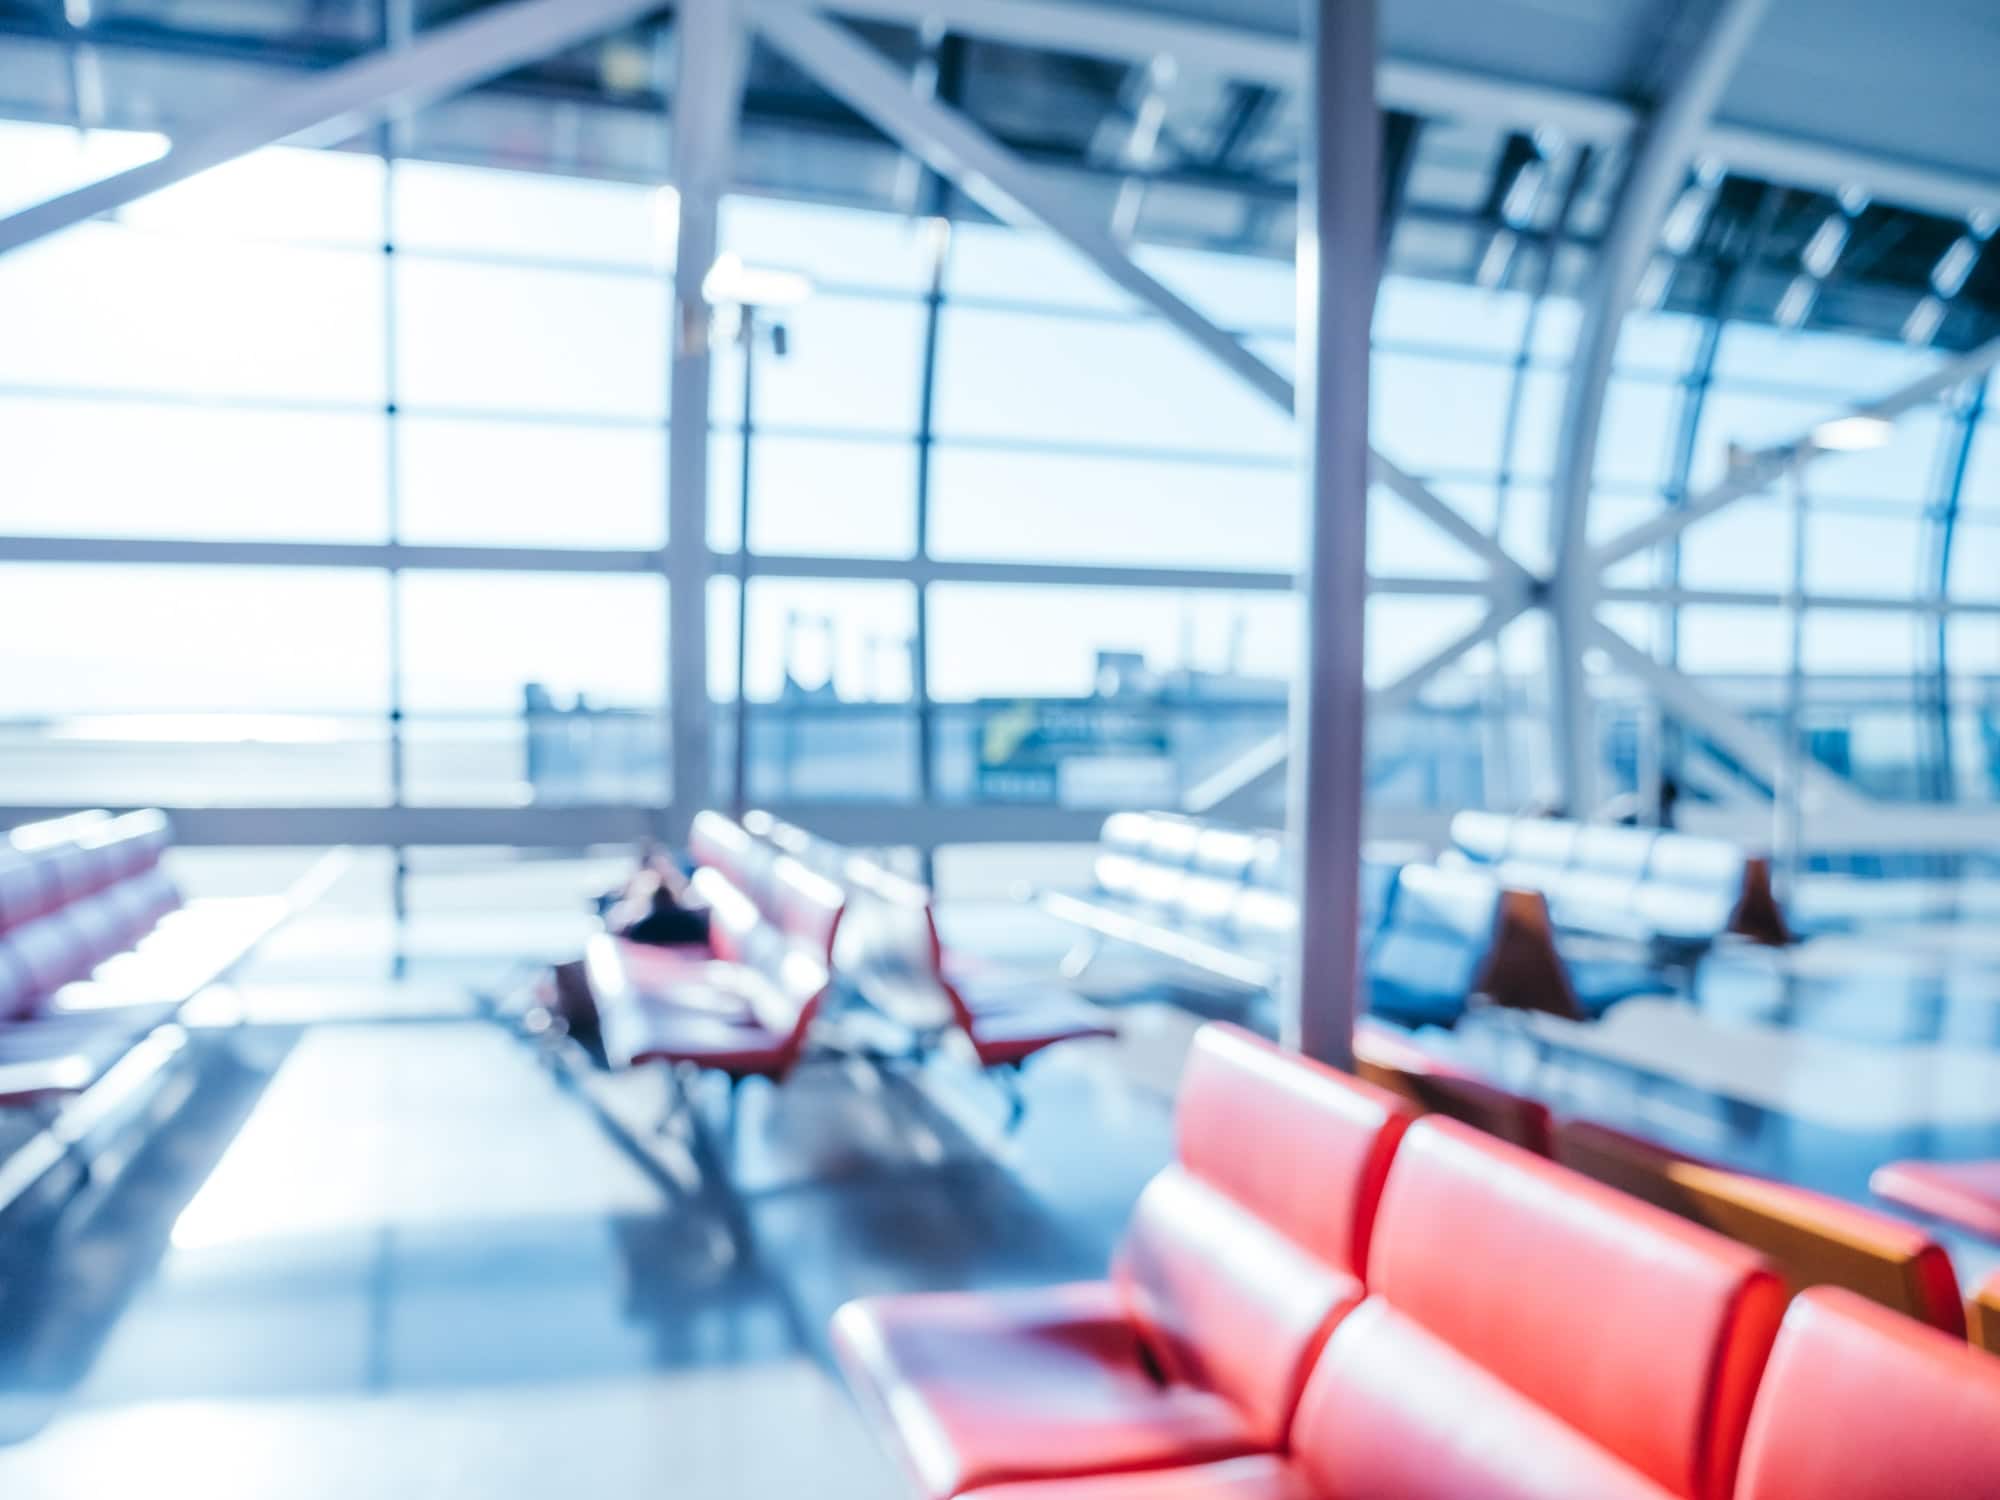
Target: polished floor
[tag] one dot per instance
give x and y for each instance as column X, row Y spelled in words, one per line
column 404, row 1257
column 376, row 1245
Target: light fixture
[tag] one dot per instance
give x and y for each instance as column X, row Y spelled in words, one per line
column 1796, row 303
column 730, row 282
column 1684, row 220
column 1822, row 251
column 1853, row 434
column 1524, row 192
column 1948, row 275
column 1921, row 326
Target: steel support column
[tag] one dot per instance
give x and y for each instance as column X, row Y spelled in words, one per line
column 707, row 96
column 1339, row 203
column 1664, row 148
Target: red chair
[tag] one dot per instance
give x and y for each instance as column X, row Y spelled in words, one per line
column 1240, row 1256
column 1862, row 1404
column 1528, row 1335
column 747, row 1012
column 1387, row 1060
column 1965, row 1193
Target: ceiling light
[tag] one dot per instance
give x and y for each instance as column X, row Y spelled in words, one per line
column 1949, row 274
column 1796, row 303
column 1922, row 324
column 730, row 281
column 1822, row 251
column 1518, row 207
column 1852, row 434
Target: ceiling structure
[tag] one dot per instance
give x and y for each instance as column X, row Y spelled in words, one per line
column 1179, row 121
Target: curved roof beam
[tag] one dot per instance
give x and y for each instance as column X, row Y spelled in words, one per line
column 1664, row 148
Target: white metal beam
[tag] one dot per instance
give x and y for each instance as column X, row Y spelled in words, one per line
column 1258, row 767
column 1755, row 748
column 953, row 147
column 332, row 106
column 1773, row 464
column 1666, row 145
column 713, row 52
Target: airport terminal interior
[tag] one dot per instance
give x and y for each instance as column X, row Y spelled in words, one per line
column 1024, row 749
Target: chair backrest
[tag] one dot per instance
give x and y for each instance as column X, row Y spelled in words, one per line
column 1253, row 1240
column 1812, row 1239
column 1481, row 835
column 1862, row 1404
column 719, row 843
column 1437, row 1087
column 1982, row 1315
column 887, row 947
column 790, row 958
column 1452, row 933
column 1530, row 1333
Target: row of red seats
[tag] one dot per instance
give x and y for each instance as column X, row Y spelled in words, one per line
column 1812, row 1239
column 1325, row 1297
column 780, row 927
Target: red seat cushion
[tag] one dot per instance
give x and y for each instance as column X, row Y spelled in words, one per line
column 1864, row 1404
column 1641, row 1332
column 645, row 1028
column 985, row 1388
column 1966, row 1193
column 1236, row 1264
column 1264, row 1477
column 1008, row 1036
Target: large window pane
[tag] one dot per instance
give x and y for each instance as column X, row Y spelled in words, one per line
column 1435, row 415
column 531, row 484
column 836, row 247
column 194, row 685
column 502, row 338
column 830, row 497
column 85, row 467
column 1096, row 384
column 851, row 364
column 279, row 193
column 531, row 215
column 992, row 504
column 542, row 688
column 101, row 307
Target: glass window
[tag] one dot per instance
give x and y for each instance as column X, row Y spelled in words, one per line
column 193, row 640
column 1975, row 559
column 993, row 640
column 475, row 642
column 1436, row 415
column 830, row 497
column 1838, row 364
column 101, row 307
column 1749, row 420
column 531, row 484
column 851, row 364
column 1903, row 469
column 1443, row 315
column 44, row 161
column 1405, row 544
column 1855, row 552
column 824, row 640
column 531, row 216
column 1728, row 639
column 1747, row 546
column 1850, row 641
column 992, row 262
column 1234, row 291
column 1641, row 428
column 1011, row 506
column 505, row 338
column 836, row 247
column 84, row 467
column 1102, row 384
column 279, row 193
column 1405, row 632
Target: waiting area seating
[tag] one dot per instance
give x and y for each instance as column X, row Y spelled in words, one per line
column 1214, row 899
column 1964, row 1193
column 1391, row 1309
column 794, row 923
column 744, row 1004
column 889, row 955
column 1812, row 1239
column 1389, row 1060
column 1674, row 892
column 98, row 956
